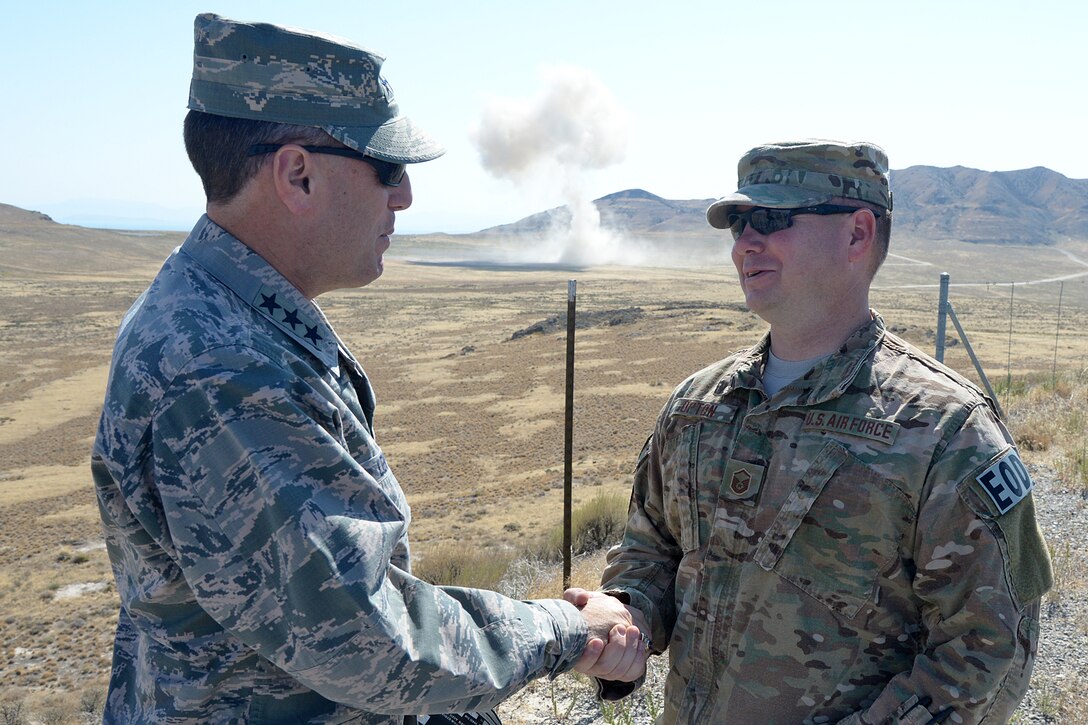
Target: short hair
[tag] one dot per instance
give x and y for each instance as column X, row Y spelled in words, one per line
column 883, row 238
column 882, row 234
column 218, row 148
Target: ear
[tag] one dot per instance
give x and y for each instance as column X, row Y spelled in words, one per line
column 291, row 176
column 862, row 235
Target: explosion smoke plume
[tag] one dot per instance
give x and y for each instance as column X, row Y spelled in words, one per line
column 548, row 143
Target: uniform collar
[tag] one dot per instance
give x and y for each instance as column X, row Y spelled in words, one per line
column 259, row 284
column 829, row 379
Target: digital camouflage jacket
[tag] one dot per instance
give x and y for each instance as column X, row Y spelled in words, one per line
column 258, row 538
column 860, row 548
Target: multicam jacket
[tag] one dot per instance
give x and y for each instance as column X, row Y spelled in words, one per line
column 258, row 538
column 860, row 548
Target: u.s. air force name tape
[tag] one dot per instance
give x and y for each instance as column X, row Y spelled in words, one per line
column 1007, row 481
column 875, row 429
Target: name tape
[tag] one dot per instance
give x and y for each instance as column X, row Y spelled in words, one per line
column 882, row 431
column 695, row 408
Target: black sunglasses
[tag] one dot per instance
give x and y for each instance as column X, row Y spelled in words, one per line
column 389, row 173
column 768, row 221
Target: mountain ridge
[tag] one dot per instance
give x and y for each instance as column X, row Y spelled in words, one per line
column 1034, row 206
column 1027, row 206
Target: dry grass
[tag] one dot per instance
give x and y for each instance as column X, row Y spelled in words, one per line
column 456, row 566
column 470, row 419
column 1049, row 418
column 596, row 524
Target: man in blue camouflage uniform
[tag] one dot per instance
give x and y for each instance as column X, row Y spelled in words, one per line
column 829, row 526
column 258, row 538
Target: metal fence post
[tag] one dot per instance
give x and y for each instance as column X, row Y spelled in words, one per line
column 1008, row 363
column 974, row 359
column 568, row 438
column 1057, row 332
column 942, row 315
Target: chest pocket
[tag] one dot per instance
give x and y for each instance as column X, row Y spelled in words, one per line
column 838, row 530
column 701, row 456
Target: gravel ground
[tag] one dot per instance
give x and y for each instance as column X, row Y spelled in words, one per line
column 1059, row 686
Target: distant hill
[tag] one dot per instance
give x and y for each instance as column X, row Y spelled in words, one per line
column 634, row 210
column 31, row 243
column 1032, row 206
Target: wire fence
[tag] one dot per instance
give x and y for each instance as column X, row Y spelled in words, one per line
column 1006, row 332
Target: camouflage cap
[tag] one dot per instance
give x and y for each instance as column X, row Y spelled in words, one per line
column 272, row 73
column 802, row 173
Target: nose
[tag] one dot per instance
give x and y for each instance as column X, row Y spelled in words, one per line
column 400, row 197
column 748, row 242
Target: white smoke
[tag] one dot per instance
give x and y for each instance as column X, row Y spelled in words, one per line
column 546, row 145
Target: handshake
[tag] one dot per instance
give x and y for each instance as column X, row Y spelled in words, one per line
column 619, row 641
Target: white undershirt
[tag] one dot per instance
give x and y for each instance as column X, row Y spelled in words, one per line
column 779, row 373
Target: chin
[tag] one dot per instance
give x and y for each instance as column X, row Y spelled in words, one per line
column 752, row 302
column 759, row 308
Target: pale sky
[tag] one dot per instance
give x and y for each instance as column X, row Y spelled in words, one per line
column 94, row 93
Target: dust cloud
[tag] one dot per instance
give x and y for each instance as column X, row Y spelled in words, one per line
column 546, row 145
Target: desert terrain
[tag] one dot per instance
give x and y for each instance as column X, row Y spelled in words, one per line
column 467, row 361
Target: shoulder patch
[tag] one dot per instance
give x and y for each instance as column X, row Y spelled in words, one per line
column 1006, row 482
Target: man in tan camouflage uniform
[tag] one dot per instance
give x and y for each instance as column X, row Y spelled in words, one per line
column 258, row 538
column 829, row 526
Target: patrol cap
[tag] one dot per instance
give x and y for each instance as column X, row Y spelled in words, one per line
column 286, row 75
column 804, row 173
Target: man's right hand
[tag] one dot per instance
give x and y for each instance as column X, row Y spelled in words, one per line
column 616, row 649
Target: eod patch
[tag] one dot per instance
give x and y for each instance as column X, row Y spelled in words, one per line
column 1006, row 482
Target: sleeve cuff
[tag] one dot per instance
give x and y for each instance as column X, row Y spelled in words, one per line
column 637, row 600
column 570, row 636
